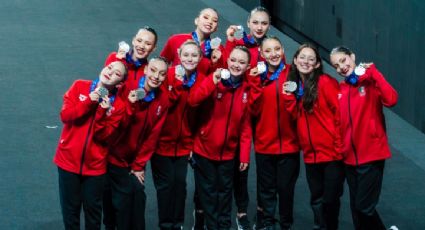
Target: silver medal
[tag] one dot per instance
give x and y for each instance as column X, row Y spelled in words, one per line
column 290, row 86
column 359, row 70
column 123, row 46
column 215, row 43
column 102, row 91
column 239, row 32
column 225, row 74
column 180, row 70
column 140, row 93
column 261, row 67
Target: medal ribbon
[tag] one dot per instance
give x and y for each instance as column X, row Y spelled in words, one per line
column 151, row 95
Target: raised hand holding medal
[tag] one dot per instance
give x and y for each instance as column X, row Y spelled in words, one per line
column 215, row 43
column 179, row 72
column 239, row 32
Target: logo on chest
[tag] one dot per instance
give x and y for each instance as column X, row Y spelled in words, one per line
column 245, row 98
column 158, row 111
column 362, row 91
column 82, row 97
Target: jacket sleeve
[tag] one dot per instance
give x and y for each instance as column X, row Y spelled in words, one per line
column 291, row 105
column 220, row 62
column 330, row 91
column 245, row 138
column 148, row 147
column 176, row 87
column 106, row 126
column 255, row 95
column 387, row 93
column 168, row 52
column 111, row 58
column 73, row 108
column 202, row 91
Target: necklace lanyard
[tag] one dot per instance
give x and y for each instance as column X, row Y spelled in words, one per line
column 207, row 44
column 275, row 75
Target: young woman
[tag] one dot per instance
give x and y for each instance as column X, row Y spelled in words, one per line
column 206, row 24
column 134, row 142
column 143, row 44
column 81, row 152
column 364, row 92
column 169, row 163
column 258, row 24
column 224, row 128
column 275, row 139
column 316, row 107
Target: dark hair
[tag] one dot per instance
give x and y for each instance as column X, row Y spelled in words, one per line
column 259, row 9
column 341, row 49
column 244, row 49
column 311, row 82
column 152, row 30
column 272, row 37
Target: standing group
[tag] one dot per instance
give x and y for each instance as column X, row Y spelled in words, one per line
column 206, row 103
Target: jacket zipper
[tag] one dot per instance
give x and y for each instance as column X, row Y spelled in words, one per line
column 181, row 129
column 309, row 136
column 227, row 126
column 352, row 127
column 139, row 139
column 85, row 143
column 278, row 116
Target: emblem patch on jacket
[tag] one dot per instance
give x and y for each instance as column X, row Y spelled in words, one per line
column 158, row 111
column 219, row 95
column 339, row 96
column 245, row 98
column 362, row 91
column 82, row 97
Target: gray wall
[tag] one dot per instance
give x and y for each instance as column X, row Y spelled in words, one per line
column 390, row 33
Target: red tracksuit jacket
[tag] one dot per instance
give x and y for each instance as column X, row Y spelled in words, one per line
column 138, row 133
column 224, row 121
column 275, row 128
column 319, row 132
column 175, row 41
column 362, row 119
column 81, row 150
column 176, row 137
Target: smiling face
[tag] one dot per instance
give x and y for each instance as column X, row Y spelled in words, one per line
column 112, row 74
column 343, row 63
column 207, row 22
column 190, row 55
column 306, row 61
column 258, row 24
column 272, row 51
column 143, row 44
column 155, row 72
column 238, row 62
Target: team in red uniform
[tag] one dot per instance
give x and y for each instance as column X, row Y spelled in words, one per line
column 117, row 128
column 81, row 152
column 316, row 107
column 364, row 92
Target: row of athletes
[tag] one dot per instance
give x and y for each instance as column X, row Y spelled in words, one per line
column 139, row 111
